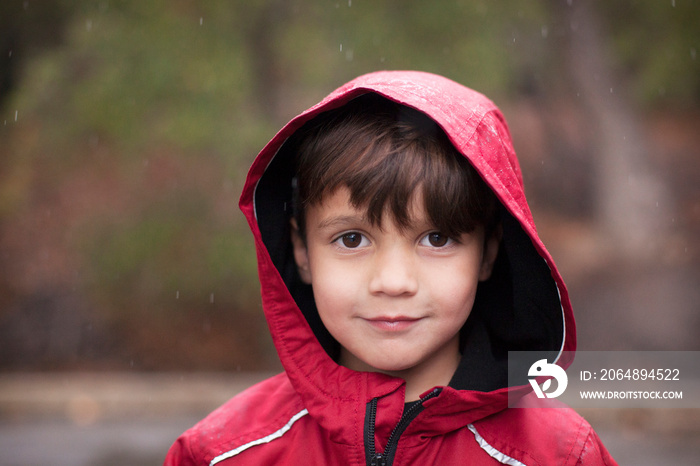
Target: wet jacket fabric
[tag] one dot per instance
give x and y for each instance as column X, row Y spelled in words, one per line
column 318, row 412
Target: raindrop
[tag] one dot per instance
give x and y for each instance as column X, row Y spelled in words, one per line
column 177, row 294
column 10, row 54
column 201, row 21
column 88, row 25
column 341, row 47
column 545, row 31
column 349, row 3
column 693, row 53
column 673, row 3
column 16, row 114
column 611, row 90
column 211, row 298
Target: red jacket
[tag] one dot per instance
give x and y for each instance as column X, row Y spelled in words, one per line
column 318, row 412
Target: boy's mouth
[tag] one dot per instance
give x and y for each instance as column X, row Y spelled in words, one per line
column 392, row 323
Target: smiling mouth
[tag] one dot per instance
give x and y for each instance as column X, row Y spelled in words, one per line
column 392, row 324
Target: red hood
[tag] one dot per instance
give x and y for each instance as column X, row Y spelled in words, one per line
column 524, row 306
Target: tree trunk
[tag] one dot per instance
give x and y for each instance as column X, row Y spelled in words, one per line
column 631, row 201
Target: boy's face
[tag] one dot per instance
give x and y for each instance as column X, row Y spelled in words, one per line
column 394, row 299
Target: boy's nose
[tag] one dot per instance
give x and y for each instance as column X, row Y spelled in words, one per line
column 393, row 274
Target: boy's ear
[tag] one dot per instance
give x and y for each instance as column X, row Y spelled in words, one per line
column 301, row 255
column 490, row 252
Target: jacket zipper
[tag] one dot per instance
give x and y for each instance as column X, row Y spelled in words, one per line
column 386, row 458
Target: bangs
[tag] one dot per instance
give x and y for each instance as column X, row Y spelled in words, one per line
column 382, row 152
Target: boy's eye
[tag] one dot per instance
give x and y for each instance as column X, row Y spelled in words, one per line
column 352, row 240
column 436, row 240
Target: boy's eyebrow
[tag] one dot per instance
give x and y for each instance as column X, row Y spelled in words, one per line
column 341, row 220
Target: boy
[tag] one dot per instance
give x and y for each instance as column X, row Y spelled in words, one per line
column 399, row 264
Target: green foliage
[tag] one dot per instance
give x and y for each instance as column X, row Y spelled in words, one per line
column 154, row 98
column 656, row 46
column 137, row 75
column 471, row 42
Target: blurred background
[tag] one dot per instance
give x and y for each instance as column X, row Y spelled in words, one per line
column 129, row 300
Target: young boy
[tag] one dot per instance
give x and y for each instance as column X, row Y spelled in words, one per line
column 399, row 264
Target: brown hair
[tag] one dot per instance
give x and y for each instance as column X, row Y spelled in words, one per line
column 382, row 152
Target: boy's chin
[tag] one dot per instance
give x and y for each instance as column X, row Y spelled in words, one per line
column 379, row 364
column 388, row 367
column 395, row 369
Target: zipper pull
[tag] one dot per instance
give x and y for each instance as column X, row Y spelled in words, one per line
column 379, row 460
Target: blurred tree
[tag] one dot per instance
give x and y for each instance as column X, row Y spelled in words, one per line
column 615, row 80
column 632, row 204
column 26, row 28
column 123, row 174
column 654, row 47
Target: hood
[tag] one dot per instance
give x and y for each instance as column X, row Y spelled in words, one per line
column 524, row 306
